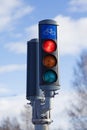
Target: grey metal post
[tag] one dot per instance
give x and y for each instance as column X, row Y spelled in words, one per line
column 42, row 127
column 41, row 115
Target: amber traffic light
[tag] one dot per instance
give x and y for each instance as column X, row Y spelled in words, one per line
column 49, row 61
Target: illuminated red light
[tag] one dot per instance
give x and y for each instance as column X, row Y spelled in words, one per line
column 49, row 46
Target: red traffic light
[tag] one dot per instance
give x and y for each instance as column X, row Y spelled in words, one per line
column 49, row 46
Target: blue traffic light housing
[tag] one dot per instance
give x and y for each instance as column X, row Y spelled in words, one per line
column 48, row 56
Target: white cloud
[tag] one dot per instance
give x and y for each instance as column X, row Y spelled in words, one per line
column 17, row 47
column 3, row 89
column 20, row 47
column 78, row 5
column 11, row 10
column 11, row 68
column 71, row 34
column 22, row 11
column 32, row 32
column 61, row 104
column 11, row 106
column 15, row 35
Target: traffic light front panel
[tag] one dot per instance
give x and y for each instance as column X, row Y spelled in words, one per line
column 48, row 57
column 48, row 64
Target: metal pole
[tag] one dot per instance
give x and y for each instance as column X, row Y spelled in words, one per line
column 41, row 114
column 42, row 127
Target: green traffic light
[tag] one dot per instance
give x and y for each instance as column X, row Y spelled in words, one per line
column 50, row 76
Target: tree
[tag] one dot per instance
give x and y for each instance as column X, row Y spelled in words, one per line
column 25, row 121
column 26, row 115
column 8, row 124
column 15, row 124
column 78, row 113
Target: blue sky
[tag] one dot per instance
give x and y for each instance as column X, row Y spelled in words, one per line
column 19, row 23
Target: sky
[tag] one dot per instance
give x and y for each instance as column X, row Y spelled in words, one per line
column 18, row 24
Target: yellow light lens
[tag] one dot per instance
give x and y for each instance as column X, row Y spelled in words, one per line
column 49, row 61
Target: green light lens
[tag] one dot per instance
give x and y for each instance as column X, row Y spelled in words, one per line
column 50, row 76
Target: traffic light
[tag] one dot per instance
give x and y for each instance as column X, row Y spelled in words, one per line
column 48, row 56
column 32, row 69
